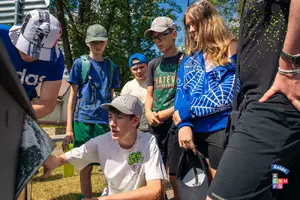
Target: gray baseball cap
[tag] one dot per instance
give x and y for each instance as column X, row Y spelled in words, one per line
column 160, row 24
column 126, row 104
column 96, row 32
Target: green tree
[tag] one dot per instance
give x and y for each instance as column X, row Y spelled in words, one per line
column 230, row 10
column 125, row 21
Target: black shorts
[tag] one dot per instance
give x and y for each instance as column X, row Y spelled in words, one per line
column 265, row 134
column 210, row 146
column 167, row 139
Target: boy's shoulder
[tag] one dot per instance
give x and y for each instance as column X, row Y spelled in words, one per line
column 77, row 61
column 146, row 138
column 4, row 28
column 155, row 62
column 131, row 83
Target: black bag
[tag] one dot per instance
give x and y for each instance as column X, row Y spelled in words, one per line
column 192, row 176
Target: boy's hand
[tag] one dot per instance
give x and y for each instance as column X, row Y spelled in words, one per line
column 49, row 165
column 69, row 136
column 163, row 115
column 176, row 118
column 288, row 85
column 152, row 118
column 186, row 139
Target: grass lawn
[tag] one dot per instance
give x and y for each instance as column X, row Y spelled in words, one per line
column 56, row 187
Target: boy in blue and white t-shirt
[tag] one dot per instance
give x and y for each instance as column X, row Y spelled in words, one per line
column 92, row 80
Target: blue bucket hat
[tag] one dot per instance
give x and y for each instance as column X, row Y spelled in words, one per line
column 137, row 56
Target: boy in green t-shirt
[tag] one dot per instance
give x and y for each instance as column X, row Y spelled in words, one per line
column 86, row 119
column 161, row 89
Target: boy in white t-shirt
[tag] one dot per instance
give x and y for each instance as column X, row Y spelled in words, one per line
column 138, row 64
column 130, row 159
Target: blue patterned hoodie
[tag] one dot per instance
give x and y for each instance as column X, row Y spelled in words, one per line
column 204, row 99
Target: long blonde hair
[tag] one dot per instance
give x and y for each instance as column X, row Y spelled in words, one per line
column 212, row 34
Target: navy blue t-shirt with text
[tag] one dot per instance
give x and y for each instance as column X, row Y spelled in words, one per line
column 31, row 74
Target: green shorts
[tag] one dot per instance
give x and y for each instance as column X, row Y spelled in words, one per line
column 83, row 132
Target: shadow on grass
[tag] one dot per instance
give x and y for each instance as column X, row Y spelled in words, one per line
column 50, row 178
column 73, row 196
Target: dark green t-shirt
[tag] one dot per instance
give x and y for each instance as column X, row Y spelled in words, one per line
column 163, row 77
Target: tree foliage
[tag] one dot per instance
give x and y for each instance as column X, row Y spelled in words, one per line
column 125, row 21
column 230, row 11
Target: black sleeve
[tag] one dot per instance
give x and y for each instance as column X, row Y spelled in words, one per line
column 151, row 69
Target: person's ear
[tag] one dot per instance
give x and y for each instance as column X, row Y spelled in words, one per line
column 174, row 34
column 137, row 120
column 88, row 44
column 106, row 43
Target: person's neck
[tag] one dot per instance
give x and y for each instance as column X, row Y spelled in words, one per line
column 128, row 142
column 141, row 81
column 172, row 51
column 98, row 58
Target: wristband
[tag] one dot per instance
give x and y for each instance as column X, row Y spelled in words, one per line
column 292, row 71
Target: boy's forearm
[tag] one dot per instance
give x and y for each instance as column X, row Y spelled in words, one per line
column 149, row 99
column 43, row 108
column 62, row 159
column 55, row 161
column 148, row 105
column 168, row 112
column 71, row 107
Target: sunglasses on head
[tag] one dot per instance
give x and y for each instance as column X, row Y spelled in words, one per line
column 161, row 36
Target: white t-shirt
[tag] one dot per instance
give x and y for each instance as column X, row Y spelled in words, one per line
column 124, row 169
column 139, row 90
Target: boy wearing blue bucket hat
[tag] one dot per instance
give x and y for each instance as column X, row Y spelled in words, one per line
column 138, row 64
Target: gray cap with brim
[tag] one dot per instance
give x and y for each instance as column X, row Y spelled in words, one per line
column 96, row 32
column 159, row 25
column 126, row 104
column 95, row 39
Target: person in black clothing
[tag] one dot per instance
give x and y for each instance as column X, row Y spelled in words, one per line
column 268, row 130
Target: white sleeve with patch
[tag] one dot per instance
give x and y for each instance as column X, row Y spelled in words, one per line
column 154, row 167
column 87, row 153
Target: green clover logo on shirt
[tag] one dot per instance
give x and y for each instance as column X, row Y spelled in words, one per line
column 135, row 157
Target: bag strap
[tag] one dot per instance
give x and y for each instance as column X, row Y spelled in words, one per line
column 111, row 72
column 85, row 69
column 235, row 105
column 181, row 57
column 157, row 61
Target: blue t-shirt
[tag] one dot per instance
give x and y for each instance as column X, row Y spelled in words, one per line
column 31, row 74
column 88, row 108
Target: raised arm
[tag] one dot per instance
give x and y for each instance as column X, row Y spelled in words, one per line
column 79, row 157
